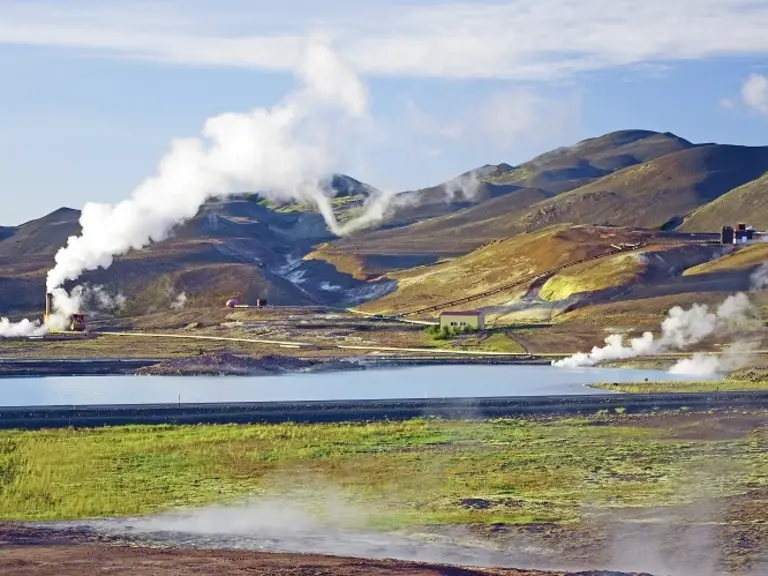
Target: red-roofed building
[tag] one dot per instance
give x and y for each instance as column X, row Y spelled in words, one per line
column 463, row 319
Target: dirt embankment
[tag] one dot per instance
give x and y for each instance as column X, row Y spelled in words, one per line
column 226, row 363
column 68, row 553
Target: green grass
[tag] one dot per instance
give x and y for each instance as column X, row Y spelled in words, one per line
column 404, row 473
column 657, row 387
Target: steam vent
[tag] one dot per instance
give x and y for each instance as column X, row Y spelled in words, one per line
column 48, row 306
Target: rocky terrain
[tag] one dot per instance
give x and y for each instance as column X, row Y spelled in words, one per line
column 225, row 363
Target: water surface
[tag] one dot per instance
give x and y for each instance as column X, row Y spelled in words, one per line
column 447, row 381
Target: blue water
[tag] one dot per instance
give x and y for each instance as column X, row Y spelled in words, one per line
column 448, row 381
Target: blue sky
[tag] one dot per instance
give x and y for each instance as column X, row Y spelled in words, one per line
column 92, row 93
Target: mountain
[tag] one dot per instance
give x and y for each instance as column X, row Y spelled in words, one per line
column 465, row 190
column 656, row 194
column 232, row 248
column 478, row 230
column 573, row 166
column 747, row 203
column 42, row 236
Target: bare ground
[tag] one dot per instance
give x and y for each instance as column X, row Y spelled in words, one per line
column 50, row 553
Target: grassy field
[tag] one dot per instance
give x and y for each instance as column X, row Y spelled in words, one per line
column 409, row 473
column 658, row 387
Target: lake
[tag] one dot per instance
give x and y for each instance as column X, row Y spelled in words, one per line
column 446, row 381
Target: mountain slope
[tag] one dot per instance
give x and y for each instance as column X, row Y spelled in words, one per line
column 498, row 263
column 747, row 203
column 233, row 248
column 656, row 194
column 374, row 253
column 42, row 236
column 574, row 166
column 550, row 173
column 487, row 226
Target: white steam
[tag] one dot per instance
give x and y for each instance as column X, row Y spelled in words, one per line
column 733, row 357
column 179, row 302
column 679, row 330
column 22, row 329
column 283, row 152
column 736, row 355
column 759, row 278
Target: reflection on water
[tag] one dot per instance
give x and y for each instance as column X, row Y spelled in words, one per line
column 447, row 381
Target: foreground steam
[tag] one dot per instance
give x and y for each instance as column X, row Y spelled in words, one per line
column 680, row 330
column 282, row 152
column 21, row 329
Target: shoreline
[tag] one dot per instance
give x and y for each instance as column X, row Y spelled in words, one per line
column 25, row 367
column 336, row 411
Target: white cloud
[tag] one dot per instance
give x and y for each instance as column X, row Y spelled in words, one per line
column 508, row 121
column 514, row 117
column 521, row 39
column 754, row 93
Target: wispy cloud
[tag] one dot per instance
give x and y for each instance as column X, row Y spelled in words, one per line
column 754, row 93
column 522, row 39
column 507, row 122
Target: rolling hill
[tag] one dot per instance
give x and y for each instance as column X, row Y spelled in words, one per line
column 485, row 228
column 747, row 203
column 657, row 194
column 233, row 248
column 574, row 166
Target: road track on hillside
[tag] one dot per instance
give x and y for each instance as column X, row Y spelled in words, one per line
column 311, row 412
column 310, row 345
column 443, row 352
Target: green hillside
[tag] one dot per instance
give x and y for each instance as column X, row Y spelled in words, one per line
column 747, row 203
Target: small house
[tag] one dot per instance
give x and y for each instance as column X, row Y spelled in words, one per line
column 464, row 319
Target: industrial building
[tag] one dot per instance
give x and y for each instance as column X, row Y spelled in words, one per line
column 742, row 234
column 464, row 319
column 234, row 303
column 76, row 321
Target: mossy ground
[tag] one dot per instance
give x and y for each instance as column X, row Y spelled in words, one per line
column 407, row 473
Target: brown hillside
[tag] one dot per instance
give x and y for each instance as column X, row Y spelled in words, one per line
column 230, row 249
column 42, row 236
column 498, row 263
column 656, row 194
column 371, row 254
column 466, row 190
column 747, row 203
column 551, row 173
column 574, row 166
column 737, row 260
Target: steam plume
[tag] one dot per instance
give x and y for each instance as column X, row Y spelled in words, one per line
column 21, row 329
column 733, row 357
column 282, row 152
column 759, row 278
column 179, row 302
column 679, row 330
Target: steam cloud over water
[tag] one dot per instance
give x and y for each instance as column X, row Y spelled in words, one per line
column 680, row 330
column 283, row 152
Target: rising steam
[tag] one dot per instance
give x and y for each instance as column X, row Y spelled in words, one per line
column 25, row 328
column 282, row 152
column 679, row 330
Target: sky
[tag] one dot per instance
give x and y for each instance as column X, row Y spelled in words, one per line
column 92, row 93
